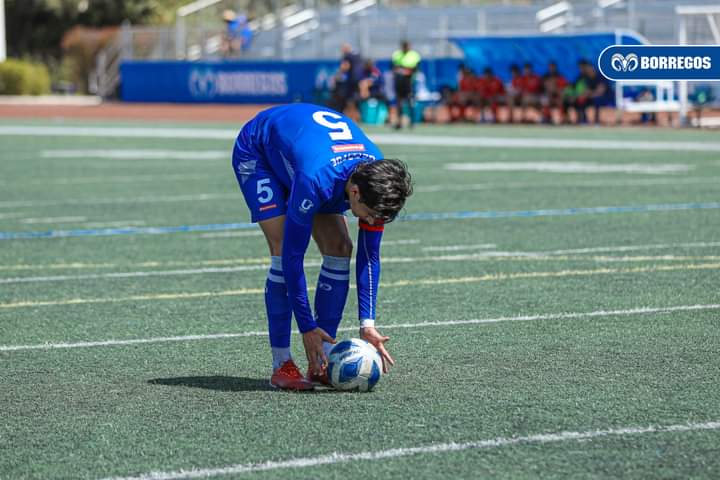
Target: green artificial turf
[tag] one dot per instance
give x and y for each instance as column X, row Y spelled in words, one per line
column 521, row 369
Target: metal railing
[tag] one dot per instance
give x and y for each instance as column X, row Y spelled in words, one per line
column 304, row 30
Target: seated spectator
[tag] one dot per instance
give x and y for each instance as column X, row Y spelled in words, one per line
column 646, row 95
column 589, row 90
column 531, row 89
column 599, row 92
column 491, row 91
column 343, row 93
column 372, row 83
column 465, row 98
column 238, row 35
column 351, row 63
column 514, row 91
column 575, row 96
column 554, row 84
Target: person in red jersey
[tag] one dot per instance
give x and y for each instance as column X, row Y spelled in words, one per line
column 492, row 91
column 554, row 84
column 466, row 97
column 531, row 90
column 514, row 91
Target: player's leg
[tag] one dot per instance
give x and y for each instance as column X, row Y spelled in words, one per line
column 400, row 105
column 286, row 374
column 402, row 96
column 330, row 232
column 411, row 102
column 266, row 199
column 277, row 303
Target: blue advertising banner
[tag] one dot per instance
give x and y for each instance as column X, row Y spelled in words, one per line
column 661, row 62
column 248, row 82
column 221, row 82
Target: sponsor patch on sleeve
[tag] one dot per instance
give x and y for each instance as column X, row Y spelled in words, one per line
column 348, row 147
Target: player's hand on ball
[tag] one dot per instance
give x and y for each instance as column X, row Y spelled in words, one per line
column 377, row 340
column 313, row 341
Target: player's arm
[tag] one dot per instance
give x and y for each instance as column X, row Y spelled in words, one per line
column 368, row 280
column 296, row 239
column 302, row 206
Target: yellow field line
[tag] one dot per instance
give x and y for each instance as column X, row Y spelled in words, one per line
column 401, row 283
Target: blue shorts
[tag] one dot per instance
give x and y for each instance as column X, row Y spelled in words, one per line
column 265, row 195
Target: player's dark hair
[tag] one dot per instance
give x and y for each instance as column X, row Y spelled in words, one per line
column 384, row 186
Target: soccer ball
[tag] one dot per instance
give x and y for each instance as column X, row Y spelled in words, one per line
column 354, row 364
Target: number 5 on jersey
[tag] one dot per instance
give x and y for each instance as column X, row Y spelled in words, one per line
column 265, row 193
column 322, row 118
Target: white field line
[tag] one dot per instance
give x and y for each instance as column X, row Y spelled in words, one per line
column 604, row 249
column 261, row 264
column 540, row 143
column 263, row 260
column 135, row 154
column 8, row 215
column 115, row 224
column 632, row 248
column 201, row 197
column 479, row 321
column 208, row 270
column 395, row 243
column 490, row 277
column 433, row 448
column 418, row 189
column 122, row 200
column 381, row 138
column 42, row 220
column 156, row 264
column 253, row 233
column 454, row 248
column 147, row 264
column 117, row 179
column 387, row 260
column 119, row 132
column 589, row 183
column 151, row 273
column 259, row 233
column 570, row 167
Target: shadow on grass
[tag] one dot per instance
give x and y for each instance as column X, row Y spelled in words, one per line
column 217, row 382
column 227, row 384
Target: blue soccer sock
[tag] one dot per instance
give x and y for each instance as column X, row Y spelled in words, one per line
column 331, row 294
column 279, row 313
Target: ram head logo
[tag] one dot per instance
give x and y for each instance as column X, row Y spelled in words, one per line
column 621, row 63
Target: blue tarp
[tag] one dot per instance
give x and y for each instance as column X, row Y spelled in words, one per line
column 501, row 52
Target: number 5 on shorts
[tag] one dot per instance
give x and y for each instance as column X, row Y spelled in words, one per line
column 265, row 193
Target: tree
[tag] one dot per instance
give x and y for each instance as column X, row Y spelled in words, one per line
column 35, row 27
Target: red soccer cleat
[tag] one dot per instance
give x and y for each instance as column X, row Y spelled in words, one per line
column 288, row 377
column 321, row 379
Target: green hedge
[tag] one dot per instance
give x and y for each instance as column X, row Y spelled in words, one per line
column 18, row 77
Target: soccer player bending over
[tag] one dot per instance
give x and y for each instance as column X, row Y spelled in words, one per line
column 300, row 167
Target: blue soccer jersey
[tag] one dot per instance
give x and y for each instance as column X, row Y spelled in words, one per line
column 295, row 160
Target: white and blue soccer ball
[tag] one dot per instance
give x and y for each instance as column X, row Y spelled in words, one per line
column 354, row 364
